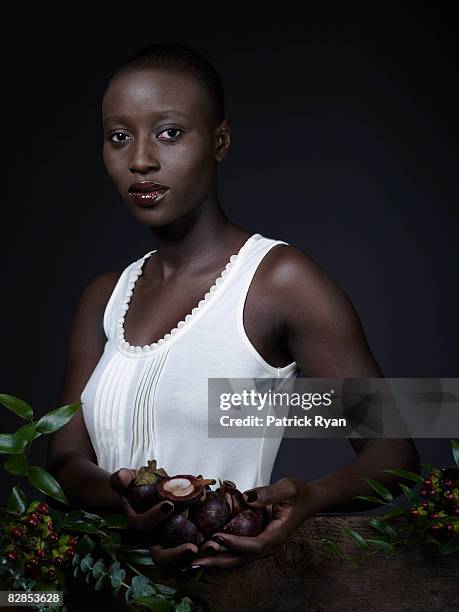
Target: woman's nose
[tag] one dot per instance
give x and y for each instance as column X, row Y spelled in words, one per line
column 144, row 155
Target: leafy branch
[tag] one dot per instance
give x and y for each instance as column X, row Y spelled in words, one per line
column 41, row 547
column 432, row 521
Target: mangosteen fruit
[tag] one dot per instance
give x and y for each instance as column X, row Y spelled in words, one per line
column 233, row 497
column 142, row 492
column 176, row 529
column 211, row 514
column 249, row 522
column 182, row 490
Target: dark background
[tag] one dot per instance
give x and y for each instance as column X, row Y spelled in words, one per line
column 343, row 144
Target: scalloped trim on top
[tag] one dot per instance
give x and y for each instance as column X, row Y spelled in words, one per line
column 136, row 271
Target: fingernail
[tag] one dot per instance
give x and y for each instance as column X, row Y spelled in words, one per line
column 218, row 540
column 166, row 508
column 190, row 571
column 251, row 496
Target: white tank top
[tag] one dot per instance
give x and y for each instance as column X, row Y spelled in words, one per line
column 151, row 402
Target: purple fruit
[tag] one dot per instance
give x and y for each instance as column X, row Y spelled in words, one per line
column 142, row 493
column 233, row 496
column 250, row 522
column 211, row 514
column 183, row 490
column 176, row 530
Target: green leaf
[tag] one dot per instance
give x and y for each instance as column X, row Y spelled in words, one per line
column 406, row 474
column 57, row 518
column 85, row 545
column 381, row 545
column 54, row 420
column 99, row 584
column 358, row 539
column 334, row 549
column 117, row 577
column 86, row 563
column 410, row 495
column 429, row 467
column 184, row 606
column 17, row 500
column 165, row 589
column 142, row 586
column 115, row 566
column 83, row 527
column 115, row 521
column 380, row 489
column 44, row 482
column 13, row 444
column 448, row 548
column 392, row 514
column 154, row 603
column 370, row 498
column 75, row 559
column 383, row 527
column 16, row 464
column 16, row 405
column 137, row 556
column 98, row 568
column 455, row 449
column 111, row 544
column 28, row 431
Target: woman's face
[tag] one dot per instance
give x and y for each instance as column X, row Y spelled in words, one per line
column 158, row 126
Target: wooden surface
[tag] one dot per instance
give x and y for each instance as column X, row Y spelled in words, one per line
column 299, row 577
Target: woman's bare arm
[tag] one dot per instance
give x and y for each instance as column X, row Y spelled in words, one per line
column 326, row 338
column 71, row 458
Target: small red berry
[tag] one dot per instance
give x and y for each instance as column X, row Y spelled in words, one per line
column 428, row 482
column 73, row 541
column 449, row 482
column 41, row 553
column 17, row 533
column 425, row 505
column 51, row 574
column 69, row 553
column 34, row 562
column 424, row 492
column 432, row 492
column 11, row 555
column 435, row 516
column 456, row 511
column 414, row 512
column 33, row 515
column 59, row 561
column 31, row 522
column 43, row 508
column 53, row 537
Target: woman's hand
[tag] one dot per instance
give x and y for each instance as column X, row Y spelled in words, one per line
column 289, row 502
column 147, row 522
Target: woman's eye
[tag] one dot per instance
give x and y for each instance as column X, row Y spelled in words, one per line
column 168, row 131
column 118, row 141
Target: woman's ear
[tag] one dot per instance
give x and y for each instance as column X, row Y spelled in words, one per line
column 223, row 140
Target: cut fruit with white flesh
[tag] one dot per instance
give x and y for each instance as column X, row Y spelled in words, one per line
column 179, row 487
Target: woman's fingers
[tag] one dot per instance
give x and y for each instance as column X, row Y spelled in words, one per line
column 210, row 548
column 148, row 521
column 178, row 555
column 283, row 490
column 222, row 561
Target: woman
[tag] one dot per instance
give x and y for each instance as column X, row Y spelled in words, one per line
column 212, row 300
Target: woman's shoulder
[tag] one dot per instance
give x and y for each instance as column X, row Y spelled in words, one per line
column 295, row 278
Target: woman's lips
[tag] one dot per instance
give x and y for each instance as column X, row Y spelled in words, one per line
column 147, row 198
